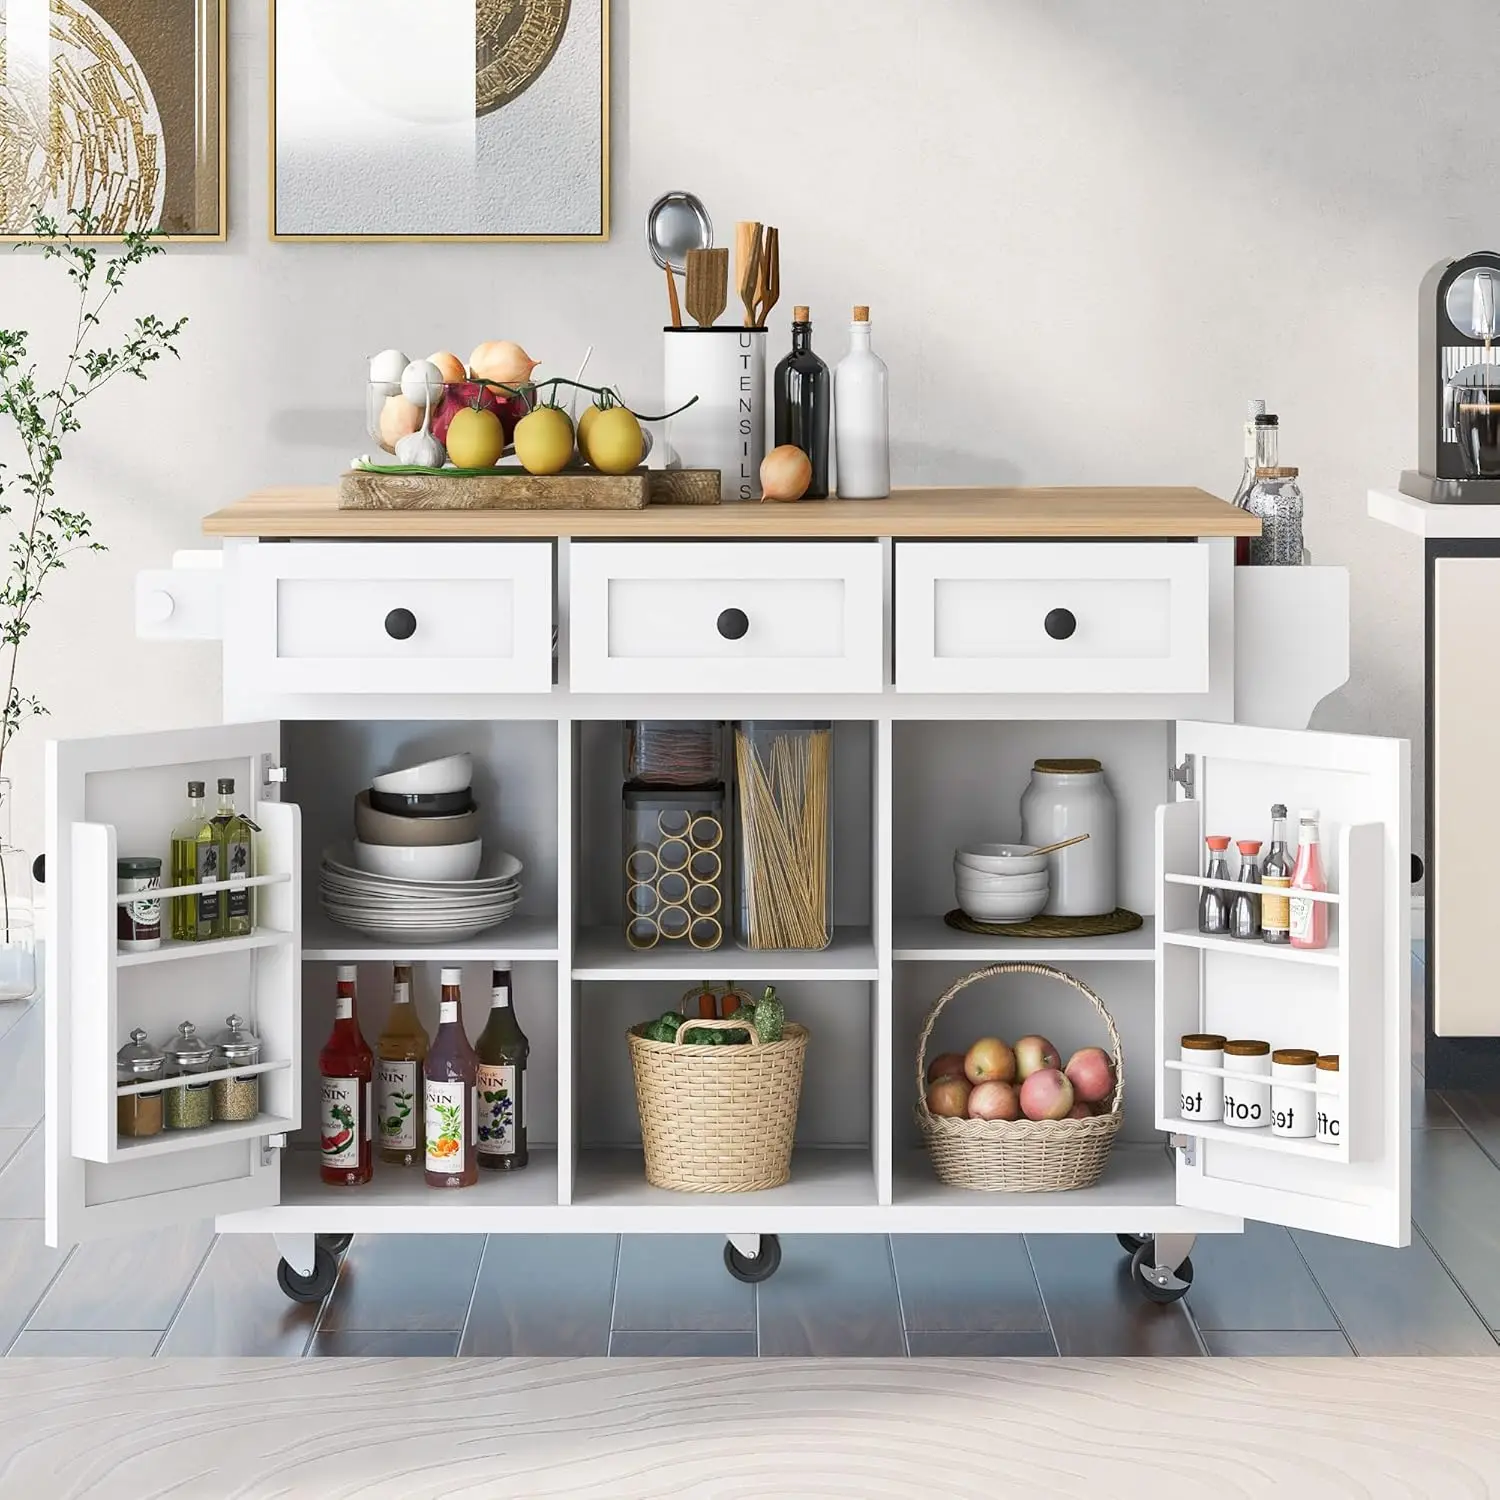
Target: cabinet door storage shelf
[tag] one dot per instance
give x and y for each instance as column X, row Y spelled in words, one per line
column 943, row 683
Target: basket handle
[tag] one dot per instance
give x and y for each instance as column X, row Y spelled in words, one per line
column 733, row 1023
column 1117, row 1098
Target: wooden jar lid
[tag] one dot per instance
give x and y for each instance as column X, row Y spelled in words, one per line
column 1202, row 1041
column 1329, row 1063
column 1294, row 1057
column 1246, row 1049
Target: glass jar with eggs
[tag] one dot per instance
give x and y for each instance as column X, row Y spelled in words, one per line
column 428, row 413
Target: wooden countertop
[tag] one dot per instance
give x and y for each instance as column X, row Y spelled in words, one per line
column 982, row 511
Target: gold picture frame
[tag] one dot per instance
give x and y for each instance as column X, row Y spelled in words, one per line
column 209, row 123
column 598, row 236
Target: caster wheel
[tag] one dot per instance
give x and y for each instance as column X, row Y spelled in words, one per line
column 1130, row 1243
column 761, row 1268
column 337, row 1243
column 314, row 1288
column 1159, row 1285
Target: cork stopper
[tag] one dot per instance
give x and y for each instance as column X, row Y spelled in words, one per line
column 1284, row 471
column 799, row 315
column 861, row 313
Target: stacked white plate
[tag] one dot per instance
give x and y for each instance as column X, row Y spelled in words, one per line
column 418, row 911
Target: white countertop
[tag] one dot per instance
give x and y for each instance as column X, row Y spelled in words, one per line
column 1424, row 520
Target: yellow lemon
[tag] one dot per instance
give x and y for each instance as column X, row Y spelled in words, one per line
column 544, row 440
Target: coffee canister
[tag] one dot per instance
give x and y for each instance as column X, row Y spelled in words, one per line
column 1064, row 798
column 725, row 428
column 1202, row 1093
column 1293, row 1111
column 1330, row 1120
column 1247, row 1091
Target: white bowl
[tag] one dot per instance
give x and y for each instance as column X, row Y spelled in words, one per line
column 999, row 885
column 435, row 862
column 1002, row 859
column 453, row 773
column 992, row 908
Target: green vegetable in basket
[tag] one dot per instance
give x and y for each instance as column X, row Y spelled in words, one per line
column 663, row 1029
column 700, row 1037
column 769, row 1016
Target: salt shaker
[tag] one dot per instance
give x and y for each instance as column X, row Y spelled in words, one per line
column 1244, row 910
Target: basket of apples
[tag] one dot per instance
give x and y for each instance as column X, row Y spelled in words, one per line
column 1014, row 1118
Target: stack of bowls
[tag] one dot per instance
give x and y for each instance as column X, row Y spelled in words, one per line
column 1000, row 882
column 420, row 823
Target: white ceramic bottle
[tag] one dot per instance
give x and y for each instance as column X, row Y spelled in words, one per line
column 861, row 417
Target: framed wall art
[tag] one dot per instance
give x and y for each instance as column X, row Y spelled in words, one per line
column 115, row 108
column 449, row 119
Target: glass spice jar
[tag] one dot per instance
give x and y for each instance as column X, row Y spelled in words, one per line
column 189, row 1105
column 138, row 1061
column 236, row 1098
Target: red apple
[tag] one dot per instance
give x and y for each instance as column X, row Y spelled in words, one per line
column 1080, row 1112
column 1092, row 1074
column 1047, row 1095
column 950, row 1097
column 1033, row 1053
column 948, row 1065
column 989, row 1060
column 994, row 1101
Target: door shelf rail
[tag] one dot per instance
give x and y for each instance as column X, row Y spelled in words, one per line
column 179, row 1080
column 1187, row 1067
column 161, row 893
column 1331, row 898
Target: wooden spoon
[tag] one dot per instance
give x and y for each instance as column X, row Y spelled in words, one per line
column 672, row 294
column 747, row 264
column 768, row 282
column 707, row 285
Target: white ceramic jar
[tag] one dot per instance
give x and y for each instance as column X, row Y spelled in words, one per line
column 1202, row 1094
column 725, row 428
column 1065, row 798
column 1293, row 1110
column 1247, row 1091
column 1330, row 1120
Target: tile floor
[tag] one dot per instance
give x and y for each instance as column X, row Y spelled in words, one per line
column 1268, row 1292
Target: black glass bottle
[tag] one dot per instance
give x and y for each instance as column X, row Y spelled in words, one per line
column 804, row 402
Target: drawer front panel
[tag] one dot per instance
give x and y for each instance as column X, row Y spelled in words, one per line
column 473, row 617
column 694, row 617
column 998, row 617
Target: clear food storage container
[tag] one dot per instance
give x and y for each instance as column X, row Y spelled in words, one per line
column 676, row 875
column 783, row 824
column 236, row 1098
column 674, row 752
column 138, row 1062
column 189, row 1105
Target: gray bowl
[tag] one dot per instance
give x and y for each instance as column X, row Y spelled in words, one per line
column 371, row 826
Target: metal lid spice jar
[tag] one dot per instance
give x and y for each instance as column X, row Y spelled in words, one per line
column 139, row 1062
column 190, row 1105
column 138, row 923
column 236, row 1098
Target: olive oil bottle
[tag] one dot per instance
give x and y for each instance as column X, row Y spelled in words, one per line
column 236, row 836
column 195, row 861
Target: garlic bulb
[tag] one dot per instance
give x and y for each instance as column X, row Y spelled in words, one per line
column 422, row 382
column 421, row 450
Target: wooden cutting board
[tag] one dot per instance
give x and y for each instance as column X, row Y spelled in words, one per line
column 363, row 489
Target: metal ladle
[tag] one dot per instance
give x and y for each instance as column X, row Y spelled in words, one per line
column 677, row 223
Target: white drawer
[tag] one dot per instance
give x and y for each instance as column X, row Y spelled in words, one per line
column 398, row 617
column 700, row 617
column 1052, row 617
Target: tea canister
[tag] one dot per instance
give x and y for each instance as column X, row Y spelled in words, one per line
column 138, row 922
column 138, row 1061
column 1247, row 1089
column 236, row 1098
column 1066, row 798
column 1330, row 1120
column 189, row 1105
column 1202, row 1093
column 1293, row 1109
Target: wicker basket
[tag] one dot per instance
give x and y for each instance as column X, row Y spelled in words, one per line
column 1019, row 1156
column 718, row 1119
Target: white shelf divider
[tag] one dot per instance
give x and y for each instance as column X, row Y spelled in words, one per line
column 522, row 939
column 931, row 940
column 603, row 954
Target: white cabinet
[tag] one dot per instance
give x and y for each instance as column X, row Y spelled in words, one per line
column 750, row 617
column 1350, row 999
column 122, row 795
column 1053, row 617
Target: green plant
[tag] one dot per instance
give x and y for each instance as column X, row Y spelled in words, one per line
column 46, row 532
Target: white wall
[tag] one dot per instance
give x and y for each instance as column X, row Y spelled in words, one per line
column 1088, row 231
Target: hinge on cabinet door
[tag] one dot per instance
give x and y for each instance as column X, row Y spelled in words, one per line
column 1183, row 775
column 1188, row 1145
column 275, row 775
column 269, row 1144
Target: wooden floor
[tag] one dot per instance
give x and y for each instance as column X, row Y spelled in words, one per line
column 748, row 1430
column 1268, row 1292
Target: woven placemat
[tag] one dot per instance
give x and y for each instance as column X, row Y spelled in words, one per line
column 1110, row 925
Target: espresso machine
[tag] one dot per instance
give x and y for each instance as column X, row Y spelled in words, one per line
column 1459, row 386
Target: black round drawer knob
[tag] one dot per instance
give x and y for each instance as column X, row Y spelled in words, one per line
column 734, row 624
column 401, row 624
column 1060, row 624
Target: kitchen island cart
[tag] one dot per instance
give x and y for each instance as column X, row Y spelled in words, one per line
column 950, row 637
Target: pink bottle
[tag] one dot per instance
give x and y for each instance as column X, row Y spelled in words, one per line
column 1309, row 918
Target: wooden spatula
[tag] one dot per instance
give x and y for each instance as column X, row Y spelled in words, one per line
column 707, row 285
column 768, row 281
column 747, row 264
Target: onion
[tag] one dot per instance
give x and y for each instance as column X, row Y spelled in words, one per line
column 503, row 362
column 785, row 473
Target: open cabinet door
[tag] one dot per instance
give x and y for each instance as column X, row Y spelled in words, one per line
column 1351, row 998
column 123, row 796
